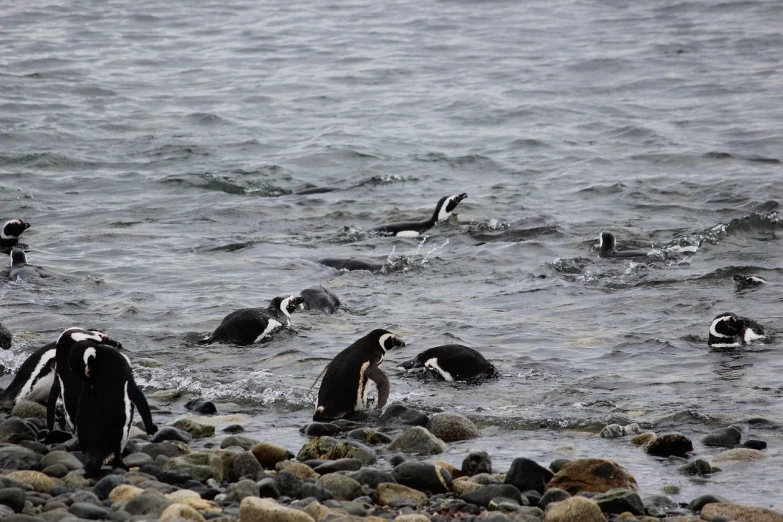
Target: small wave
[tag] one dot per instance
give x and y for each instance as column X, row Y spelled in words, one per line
column 227, row 184
column 387, row 179
column 42, row 160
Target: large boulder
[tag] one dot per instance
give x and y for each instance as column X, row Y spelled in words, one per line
column 723, row 437
column 417, row 440
column 268, row 454
column 527, row 474
column 574, row 509
column 450, row 427
column 598, row 475
column 739, row 513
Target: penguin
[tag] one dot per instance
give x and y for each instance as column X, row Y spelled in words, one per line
column 66, row 385
column 19, row 267
column 5, row 337
column 319, row 299
column 743, row 281
column 607, row 247
column 9, row 234
column 351, row 263
column 251, row 325
column 453, row 362
column 345, row 384
column 443, row 211
column 33, row 379
column 728, row 330
column 106, row 404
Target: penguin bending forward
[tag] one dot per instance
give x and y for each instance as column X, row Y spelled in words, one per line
column 106, row 402
column 443, row 211
column 453, row 362
column 607, row 247
column 346, row 379
column 10, row 232
column 731, row 331
column 251, row 325
column 319, row 299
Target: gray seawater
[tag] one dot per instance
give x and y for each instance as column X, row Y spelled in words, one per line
column 155, row 148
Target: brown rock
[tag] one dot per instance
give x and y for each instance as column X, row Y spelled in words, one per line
column 669, row 444
column 39, row 481
column 124, row 492
column 180, row 512
column 453, row 470
column 193, row 499
column 642, row 438
column 302, row 471
column 268, row 454
column 740, row 455
column 386, row 492
column 460, row 487
column 740, row 513
column 598, row 475
column 254, row 509
column 412, row 517
column 574, row 509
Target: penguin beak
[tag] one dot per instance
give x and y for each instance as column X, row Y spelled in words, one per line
column 462, row 196
column 398, row 342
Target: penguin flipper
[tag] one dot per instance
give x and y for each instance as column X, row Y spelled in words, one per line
column 51, row 403
column 137, row 397
column 381, row 383
column 319, row 376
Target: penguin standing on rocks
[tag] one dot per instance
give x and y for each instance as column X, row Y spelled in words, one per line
column 319, row 299
column 19, row 267
column 443, row 211
column 106, row 404
column 607, row 247
column 453, row 362
column 251, row 325
column 346, row 379
column 732, row 331
column 10, row 232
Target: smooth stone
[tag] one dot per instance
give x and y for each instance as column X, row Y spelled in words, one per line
column 36, row 479
column 740, row 513
column 483, row 495
column 696, row 467
column 740, row 455
column 558, row 464
column 246, row 443
column 200, row 405
column 137, row 460
column 341, row 486
column 243, row 488
column 477, row 462
column 192, row 499
column 338, row 465
column 196, row 429
column 412, row 517
column 61, row 457
column 574, row 509
column 462, row 487
column 754, row 444
column 527, row 474
column 167, row 433
column 386, row 493
column 201, row 466
column 669, row 444
column 253, row 509
column 397, row 415
column 179, row 512
column 422, row 476
column 288, row 484
column 486, row 479
column 698, row 503
column 320, row 429
column 106, row 485
column 552, row 495
column 176, row 476
column 75, row 480
column 14, row 430
column 302, row 471
column 170, row 449
column 244, row 465
column 233, row 428
column 268, row 454
column 55, row 471
column 372, row 477
column 450, row 427
column 723, row 437
column 613, row 431
column 619, row 501
column 89, row 511
column 124, row 493
column 147, row 504
column 13, row 498
column 642, row 438
column 369, row 436
column 25, row 409
column 315, row 491
column 598, row 475
column 417, row 440
column 316, row 510
column 267, row 488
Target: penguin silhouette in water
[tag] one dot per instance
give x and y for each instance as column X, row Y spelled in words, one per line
column 453, row 362
column 319, row 299
column 19, row 267
column 10, row 232
column 5, row 338
column 251, row 325
column 107, row 399
column 729, row 330
column 346, row 379
column 443, row 211
column 607, row 247
column 352, row 263
column 751, row 281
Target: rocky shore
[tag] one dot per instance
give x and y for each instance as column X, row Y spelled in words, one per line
column 348, row 471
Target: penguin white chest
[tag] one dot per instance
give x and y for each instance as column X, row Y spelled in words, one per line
column 363, row 389
column 407, row 233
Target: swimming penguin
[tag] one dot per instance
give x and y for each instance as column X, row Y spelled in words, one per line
column 607, row 247
column 251, row 325
column 443, row 211
column 731, row 331
column 106, row 403
column 9, row 234
column 319, row 299
column 743, row 281
column 345, row 384
column 352, row 263
column 5, row 337
column 66, row 385
column 19, row 267
column 453, row 362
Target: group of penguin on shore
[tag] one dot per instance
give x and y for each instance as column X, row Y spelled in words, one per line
column 93, row 379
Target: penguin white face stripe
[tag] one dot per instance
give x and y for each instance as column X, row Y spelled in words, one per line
column 361, row 392
column 83, row 335
column 600, row 239
column 3, row 235
column 270, row 326
column 284, row 305
column 444, row 214
column 721, row 319
column 383, row 339
column 408, row 233
column 34, row 377
column 89, row 352
column 433, row 363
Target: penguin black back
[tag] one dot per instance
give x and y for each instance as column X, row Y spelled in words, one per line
column 319, row 299
column 33, row 379
column 107, row 399
column 352, row 263
column 443, row 210
column 607, row 247
column 453, row 362
column 251, row 325
column 345, row 383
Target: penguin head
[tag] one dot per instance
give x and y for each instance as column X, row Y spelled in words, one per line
column 82, row 359
column 446, row 206
column 726, row 330
column 386, row 339
column 606, row 242
column 287, row 304
column 743, row 280
column 72, row 336
column 18, row 257
column 13, row 229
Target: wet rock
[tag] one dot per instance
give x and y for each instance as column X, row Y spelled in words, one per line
column 698, row 503
column 267, row 488
column 13, row 498
column 192, row 499
column 574, row 509
column 671, row 489
column 5, row 338
column 171, row 433
column 418, row 440
column 137, row 460
column 558, row 464
column 527, row 474
column 169, row 449
column 246, row 443
column 106, row 485
column 723, row 437
column 552, row 495
column 55, row 471
column 28, row 410
column 739, row 513
column 477, row 462
column 288, row 484
column 352, row 450
column 179, row 512
column 243, row 488
column 200, row 405
column 13, row 456
column 619, row 501
column 61, row 457
column 201, row 466
column 36, row 479
column 450, row 427
column 245, row 464
column 233, row 428
column 342, row 487
column 385, row 494
column 398, row 415
column 253, row 509
column 196, row 429
column 338, row 465
column 462, row 487
column 483, row 495
column 754, row 444
column 369, row 436
column 316, row 448
column 147, row 504
column 612, row 431
column 371, row 477
column 642, row 438
column 268, row 454
column 89, row 511
column 302, row 471
column 598, row 475
column 740, row 455
column 422, row 476
column 15, row 430
column 320, row 429
column 669, row 444
column 176, row 476
column 315, row 491
column 696, row 467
